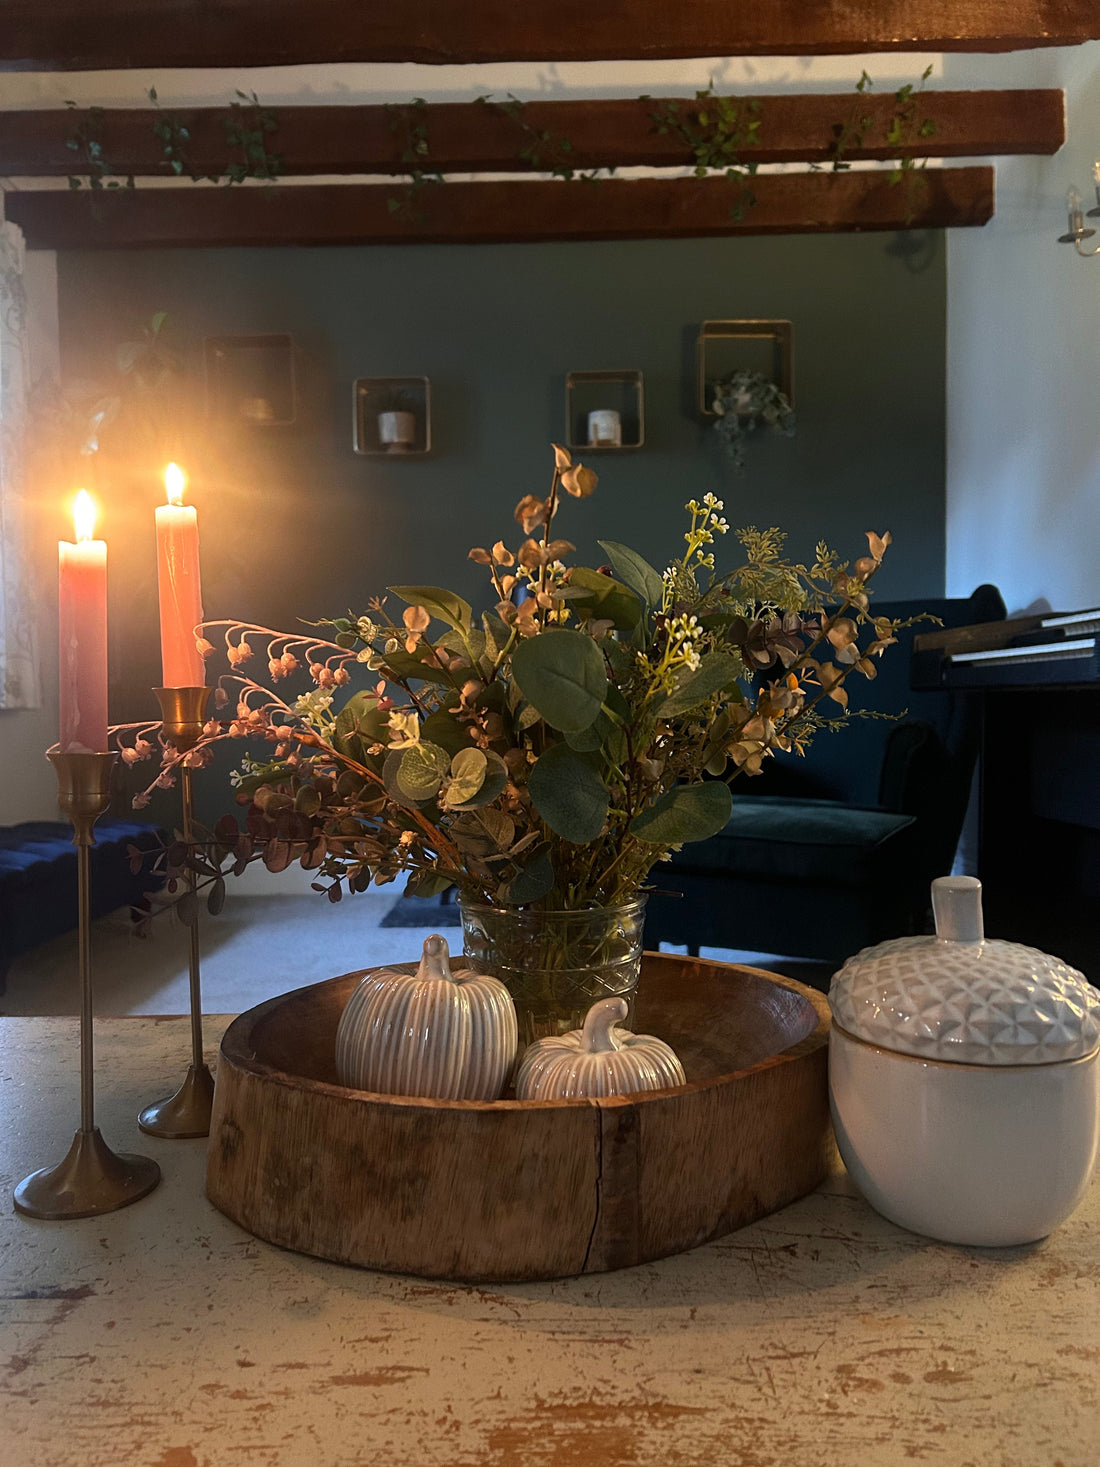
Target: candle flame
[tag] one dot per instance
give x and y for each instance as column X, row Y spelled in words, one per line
column 84, row 515
column 175, row 481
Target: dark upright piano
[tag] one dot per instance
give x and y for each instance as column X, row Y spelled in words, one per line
column 1038, row 678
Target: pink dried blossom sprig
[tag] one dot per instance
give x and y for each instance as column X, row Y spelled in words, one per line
column 285, row 652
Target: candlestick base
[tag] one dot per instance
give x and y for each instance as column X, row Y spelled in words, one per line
column 91, row 1179
column 185, row 1114
column 183, row 715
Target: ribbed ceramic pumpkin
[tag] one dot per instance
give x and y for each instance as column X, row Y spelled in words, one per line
column 599, row 1059
column 432, row 1033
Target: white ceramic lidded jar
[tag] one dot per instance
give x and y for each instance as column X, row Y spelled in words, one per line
column 964, row 1079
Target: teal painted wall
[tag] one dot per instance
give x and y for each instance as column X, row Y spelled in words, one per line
column 294, row 524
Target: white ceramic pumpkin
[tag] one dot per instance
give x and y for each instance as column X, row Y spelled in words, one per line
column 599, row 1059
column 432, row 1033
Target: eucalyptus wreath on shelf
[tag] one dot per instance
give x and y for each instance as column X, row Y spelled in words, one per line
column 549, row 751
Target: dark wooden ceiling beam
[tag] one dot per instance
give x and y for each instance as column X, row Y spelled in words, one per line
column 481, row 138
column 107, row 34
column 498, row 212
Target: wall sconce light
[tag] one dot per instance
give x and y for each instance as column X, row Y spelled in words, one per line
column 1077, row 231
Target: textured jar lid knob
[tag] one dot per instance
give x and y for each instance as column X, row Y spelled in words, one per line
column 957, row 905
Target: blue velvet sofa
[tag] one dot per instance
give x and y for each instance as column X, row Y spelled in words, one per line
column 38, row 879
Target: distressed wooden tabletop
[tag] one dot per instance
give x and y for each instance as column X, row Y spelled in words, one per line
column 165, row 1336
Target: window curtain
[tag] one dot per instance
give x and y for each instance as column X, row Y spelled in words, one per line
column 19, row 683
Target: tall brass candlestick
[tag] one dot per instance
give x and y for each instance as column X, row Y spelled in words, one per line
column 92, row 1178
column 186, row 1113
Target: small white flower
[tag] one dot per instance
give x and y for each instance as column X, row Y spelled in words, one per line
column 313, row 705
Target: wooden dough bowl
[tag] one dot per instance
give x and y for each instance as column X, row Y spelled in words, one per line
column 510, row 1190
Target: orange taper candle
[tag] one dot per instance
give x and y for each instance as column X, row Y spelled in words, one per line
column 180, row 589
column 82, row 639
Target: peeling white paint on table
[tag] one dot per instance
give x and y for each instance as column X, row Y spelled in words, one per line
column 165, row 1336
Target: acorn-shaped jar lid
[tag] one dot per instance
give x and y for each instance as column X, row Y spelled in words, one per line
column 958, row 996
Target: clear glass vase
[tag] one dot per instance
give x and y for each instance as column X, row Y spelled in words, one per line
column 557, row 964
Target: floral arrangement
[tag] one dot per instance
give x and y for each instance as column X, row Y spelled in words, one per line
column 549, row 751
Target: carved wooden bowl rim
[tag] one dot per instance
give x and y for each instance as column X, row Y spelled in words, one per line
column 237, row 1048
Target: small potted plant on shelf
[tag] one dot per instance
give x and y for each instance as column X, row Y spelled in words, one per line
column 541, row 755
column 397, row 419
column 741, row 402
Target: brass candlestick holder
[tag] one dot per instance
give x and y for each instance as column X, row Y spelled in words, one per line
column 92, row 1178
column 186, row 1113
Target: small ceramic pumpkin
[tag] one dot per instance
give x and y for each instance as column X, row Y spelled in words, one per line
column 432, row 1033
column 600, row 1059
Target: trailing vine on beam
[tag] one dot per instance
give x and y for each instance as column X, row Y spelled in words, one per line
column 543, row 150
column 717, row 130
column 247, row 123
column 413, row 116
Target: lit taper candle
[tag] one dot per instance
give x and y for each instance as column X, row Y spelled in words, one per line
column 180, row 588
column 82, row 641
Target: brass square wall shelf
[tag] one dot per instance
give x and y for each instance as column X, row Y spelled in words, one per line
column 762, row 346
column 251, row 379
column 604, row 411
column 392, row 416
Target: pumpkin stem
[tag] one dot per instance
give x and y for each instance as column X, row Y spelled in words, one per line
column 597, row 1036
column 435, row 960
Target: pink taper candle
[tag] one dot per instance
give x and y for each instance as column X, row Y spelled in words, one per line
column 82, row 642
column 180, row 589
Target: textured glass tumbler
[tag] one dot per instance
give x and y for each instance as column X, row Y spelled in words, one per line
column 557, row 964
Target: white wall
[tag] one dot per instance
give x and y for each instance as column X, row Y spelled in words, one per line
column 1023, row 359
column 28, row 788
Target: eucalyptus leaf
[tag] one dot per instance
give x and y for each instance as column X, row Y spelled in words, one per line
column 562, row 673
column 533, row 882
column 610, row 599
column 443, row 729
column 465, row 644
column 568, row 794
column 468, row 770
column 716, row 672
column 497, row 633
column 389, row 775
column 688, row 812
column 481, row 833
column 360, row 718
column 421, row 770
column 496, row 777
column 442, row 604
column 426, row 884
column 409, row 667
column 635, row 572
column 586, row 740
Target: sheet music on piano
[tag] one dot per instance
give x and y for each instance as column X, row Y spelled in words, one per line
column 1039, row 652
